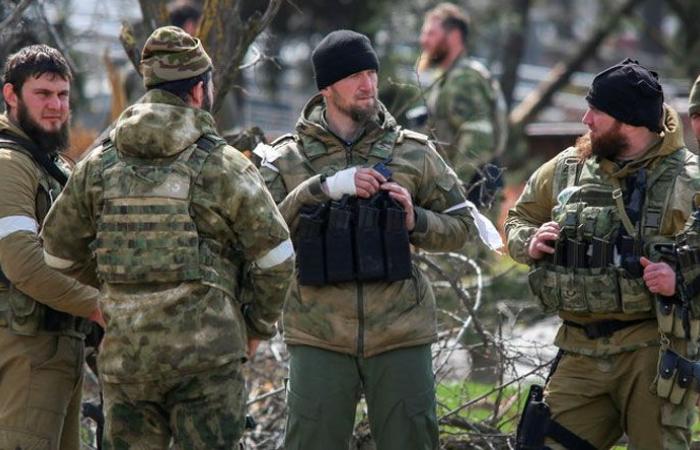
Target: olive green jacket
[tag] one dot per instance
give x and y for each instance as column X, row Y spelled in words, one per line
column 366, row 318
column 22, row 211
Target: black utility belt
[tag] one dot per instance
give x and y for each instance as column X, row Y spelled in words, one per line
column 353, row 239
column 604, row 328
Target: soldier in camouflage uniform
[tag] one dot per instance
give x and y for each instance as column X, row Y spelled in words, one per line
column 597, row 225
column 192, row 254
column 358, row 337
column 466, row 109
column 42, row 312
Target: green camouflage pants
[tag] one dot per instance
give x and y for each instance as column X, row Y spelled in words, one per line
column 601, row 398
column 41, row 380
column 325, row 386
column 205, row 410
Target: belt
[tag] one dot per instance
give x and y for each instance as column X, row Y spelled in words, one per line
column 604, row 328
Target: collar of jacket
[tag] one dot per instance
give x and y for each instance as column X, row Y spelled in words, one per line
column 160, row 125
column 318, row 140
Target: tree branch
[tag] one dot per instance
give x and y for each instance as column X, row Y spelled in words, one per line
column 561, row 73
column 13, row 19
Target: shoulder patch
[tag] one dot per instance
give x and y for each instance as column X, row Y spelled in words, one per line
column 414, row 135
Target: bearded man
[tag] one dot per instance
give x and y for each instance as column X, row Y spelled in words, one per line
column 351, row 327
column 595, row 224
column 466, row 109
column 42, row 312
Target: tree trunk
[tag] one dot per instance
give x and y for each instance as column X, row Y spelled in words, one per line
column 155, row 14
column 514, row 48
column 226, row 38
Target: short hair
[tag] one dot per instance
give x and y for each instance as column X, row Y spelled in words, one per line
column 35, row 61
column 451, row 17
column 181, row 11
column 182, row 88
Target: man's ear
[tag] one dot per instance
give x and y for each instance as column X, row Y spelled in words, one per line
column 8, row 92
column 197, row 95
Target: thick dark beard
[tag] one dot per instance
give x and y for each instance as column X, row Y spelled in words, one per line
column 440, row 53
column 608, row 146
column 50, row 142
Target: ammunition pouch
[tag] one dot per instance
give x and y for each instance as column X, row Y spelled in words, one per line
column 310, row 245
column 596, row 290
column 353, row 240
column 678, row 378
column 24, row 316
column 536, row 424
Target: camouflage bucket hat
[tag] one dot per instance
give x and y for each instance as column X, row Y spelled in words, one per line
column 170, row 54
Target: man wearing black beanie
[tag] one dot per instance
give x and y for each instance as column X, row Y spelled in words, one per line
column 360, row 334
column 596, row 224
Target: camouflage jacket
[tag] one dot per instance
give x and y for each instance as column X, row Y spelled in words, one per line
column 158, row 329
column 534, row 207
column 366, row 318
column 468, row 115
column 25, row 195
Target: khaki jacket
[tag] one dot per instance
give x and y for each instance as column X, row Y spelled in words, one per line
column 366, row 318
column 534, row 207
column 22, row 210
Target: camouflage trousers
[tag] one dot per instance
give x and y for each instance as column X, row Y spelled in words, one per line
column 41, row 380
column 205, row 410
column 600, row 398
column 325, row 387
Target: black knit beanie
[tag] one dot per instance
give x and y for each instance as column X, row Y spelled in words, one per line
column 342, row 53
column 630, row 93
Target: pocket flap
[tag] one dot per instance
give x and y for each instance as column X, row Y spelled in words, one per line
column 22, row 305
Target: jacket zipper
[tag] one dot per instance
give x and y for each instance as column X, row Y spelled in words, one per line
column 360, row 321
column 360, row 303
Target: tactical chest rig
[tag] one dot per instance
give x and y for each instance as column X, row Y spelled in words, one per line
column 20, row 313
column 354, row 239
column 146, row 232
column 604, row 232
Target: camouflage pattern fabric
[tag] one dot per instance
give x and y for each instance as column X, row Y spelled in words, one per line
column 607, row 386
column 170, row 54
column 200, row 411
column 366, row 319
column 534, row 207
column 467, row 113
column 157, row 330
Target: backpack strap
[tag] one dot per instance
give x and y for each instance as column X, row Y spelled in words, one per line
column 27, row 147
